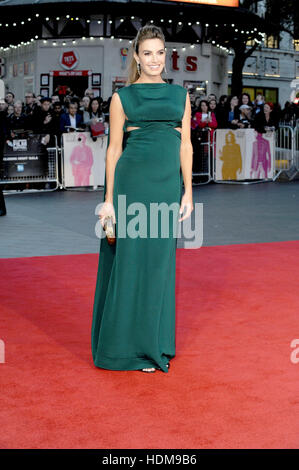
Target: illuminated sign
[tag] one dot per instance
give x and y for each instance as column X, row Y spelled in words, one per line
column 217, row 3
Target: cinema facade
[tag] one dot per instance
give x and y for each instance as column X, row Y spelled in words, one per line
column 47, row 47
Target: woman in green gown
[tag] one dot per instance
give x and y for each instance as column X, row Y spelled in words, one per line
column 133, row 324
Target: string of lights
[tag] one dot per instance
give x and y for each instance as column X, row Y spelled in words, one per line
column 259, row 37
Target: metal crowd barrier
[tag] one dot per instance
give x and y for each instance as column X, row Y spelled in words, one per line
column 27, row 182
column 203, row 161
column 296, row 151
column 284, row 152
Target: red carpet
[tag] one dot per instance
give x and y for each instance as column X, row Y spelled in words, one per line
column 232, row 383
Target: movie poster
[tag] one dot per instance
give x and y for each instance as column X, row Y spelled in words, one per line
column 84, row 159
column 244, row 154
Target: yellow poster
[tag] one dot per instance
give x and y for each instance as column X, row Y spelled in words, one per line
column 244, row 154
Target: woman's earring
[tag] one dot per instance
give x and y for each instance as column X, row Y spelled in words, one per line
column 138, row 67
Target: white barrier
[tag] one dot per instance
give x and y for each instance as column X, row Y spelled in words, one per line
column 244, row 155
column 83, row 160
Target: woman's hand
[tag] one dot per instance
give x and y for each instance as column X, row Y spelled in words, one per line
column 106, row 210
column 188, row 203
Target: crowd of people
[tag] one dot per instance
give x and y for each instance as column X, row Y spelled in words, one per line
column 232, row 112
column 239, row 112
column 53, row 116
column 63, row 113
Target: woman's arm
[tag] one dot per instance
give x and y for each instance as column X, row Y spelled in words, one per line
column 186, row 157
column 114, row 150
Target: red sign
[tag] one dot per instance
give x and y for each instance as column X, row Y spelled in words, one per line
column 70, row 73
column 69, row 59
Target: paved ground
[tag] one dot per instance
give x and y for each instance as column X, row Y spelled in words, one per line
column 63, row 221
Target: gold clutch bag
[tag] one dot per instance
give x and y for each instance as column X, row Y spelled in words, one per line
column 109, row 227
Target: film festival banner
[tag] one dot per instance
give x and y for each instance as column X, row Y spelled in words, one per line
column 25, row 157
column 84, row 159
column 244, row 154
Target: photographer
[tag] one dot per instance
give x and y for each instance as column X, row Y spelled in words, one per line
column 16, row 120
column 42, row 121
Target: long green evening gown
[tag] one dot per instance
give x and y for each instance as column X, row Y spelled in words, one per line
column 133, row 324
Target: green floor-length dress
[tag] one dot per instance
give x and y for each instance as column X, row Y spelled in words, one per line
column 133, row 324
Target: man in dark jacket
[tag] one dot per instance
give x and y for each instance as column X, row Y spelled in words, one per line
column 17, row 120
column 30, row 106
column 57, row 112
column 72, row 118
column 42, row 121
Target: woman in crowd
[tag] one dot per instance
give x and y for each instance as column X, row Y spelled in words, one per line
column 93, row 116
column 84, row 104
column 94, row 112
column 194, row 109
column 221, row 112
column 266, row 120
column 245, row 120
column 232, row 115
column 206, row 119
column 245, row 99
column 213, row 106
column 195, row 105
column 258, row 105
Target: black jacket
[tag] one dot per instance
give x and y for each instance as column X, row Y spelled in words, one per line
column 37, row 122
column 16, row 122
column 260, row 122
